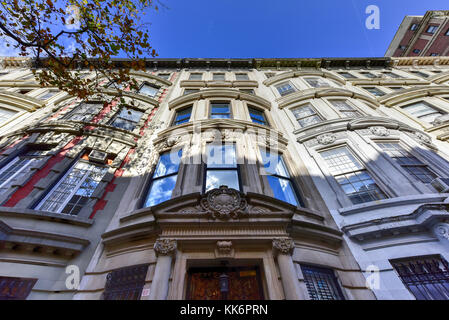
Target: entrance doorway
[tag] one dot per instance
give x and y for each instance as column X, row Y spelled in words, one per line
column 224, row 283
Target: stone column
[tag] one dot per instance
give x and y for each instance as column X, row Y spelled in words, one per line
column 165, row 249
column 283, row 248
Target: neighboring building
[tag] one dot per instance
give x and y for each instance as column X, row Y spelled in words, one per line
column 233, row 178
column 421, row 36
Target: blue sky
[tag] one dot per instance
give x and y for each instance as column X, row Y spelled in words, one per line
column 282, row 28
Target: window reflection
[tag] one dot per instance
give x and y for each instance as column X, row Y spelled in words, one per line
column 164, row 178
column 221, row 167
column 278, row 177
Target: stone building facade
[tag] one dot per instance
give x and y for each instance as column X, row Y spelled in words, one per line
column 421, row 36
column 230, row 179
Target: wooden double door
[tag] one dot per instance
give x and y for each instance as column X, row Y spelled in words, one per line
column 243, row 283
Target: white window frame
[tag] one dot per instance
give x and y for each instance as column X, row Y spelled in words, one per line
column 64, row 203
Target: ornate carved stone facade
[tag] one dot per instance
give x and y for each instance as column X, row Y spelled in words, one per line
column 323, row 175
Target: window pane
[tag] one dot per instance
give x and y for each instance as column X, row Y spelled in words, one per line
column 221, row 156
column 303, row 111
column 423, row 111
column 317, row 82
column 220, row 108
column 84, row 111
column 273, row 163
column 241, row 76
column 195, row 76
column 257, row 116
column 285, row 88
column 217, row 178
column 17, row 168
column 78, row 184
column 130, row 114
column 6, row 114
column 168, row 163
column 123, row 124
column 189, row 91
column 161, row 190
column 309, row 121
column 219, row 76
column 183, row 115
column 340, row 160
column 282, row 189
column 148, row 90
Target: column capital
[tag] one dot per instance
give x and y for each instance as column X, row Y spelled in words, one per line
column 283, row 245
column 164, row 247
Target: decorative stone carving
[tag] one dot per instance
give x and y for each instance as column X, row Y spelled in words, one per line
column 224, row 203
column 172, row 140
column 380, row 131
column 224, row 249
column 423, row 138
column 442, row 230
column 326, row 138
column 224, row 246
column 283, row 245
column 165, row 247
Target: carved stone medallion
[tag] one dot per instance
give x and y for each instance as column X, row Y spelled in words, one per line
column 326, row 138
column 224, row 203
column 380, row 131
column 442, row 230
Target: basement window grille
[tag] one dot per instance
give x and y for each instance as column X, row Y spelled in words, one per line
column 125, row 283
column 321, row 283
column 15, row 288
column 426, row 278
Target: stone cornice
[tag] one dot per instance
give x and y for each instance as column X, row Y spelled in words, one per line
column 315, row 93
column 296, row 74
column 422, row 61
column 225, row 63
column 222, row 93
column 405, row 95
column 420, row 219
column 218, row 84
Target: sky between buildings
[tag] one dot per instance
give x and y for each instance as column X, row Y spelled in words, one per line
column 279, row 28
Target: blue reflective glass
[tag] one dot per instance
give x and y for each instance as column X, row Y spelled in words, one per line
column 183, row 115
column 168, row 163
column 217, row 178
column 282, row 190
column 273, row 163
column 161, row 190
column 221, row 156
